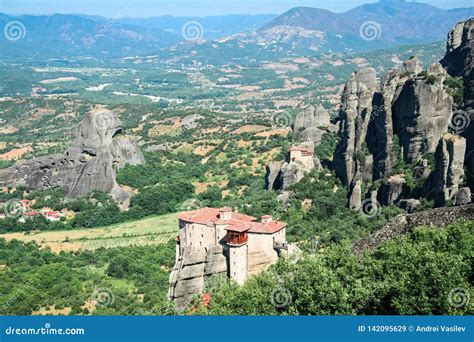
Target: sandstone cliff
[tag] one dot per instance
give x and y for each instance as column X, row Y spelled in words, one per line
column 97, row 152
column 312, row 123
column 404, row 122
column 459, row 62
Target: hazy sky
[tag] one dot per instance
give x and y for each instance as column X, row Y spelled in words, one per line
column 147, row 8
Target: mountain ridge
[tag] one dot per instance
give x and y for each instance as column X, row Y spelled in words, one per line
column 383, row 23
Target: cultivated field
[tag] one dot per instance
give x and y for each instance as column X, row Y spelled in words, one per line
column 148, row 231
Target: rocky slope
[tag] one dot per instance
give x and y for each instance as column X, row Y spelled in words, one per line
column 98, row 150
column 395, row 126
column 405, row 224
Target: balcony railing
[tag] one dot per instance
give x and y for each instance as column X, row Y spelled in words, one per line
column 235, row 238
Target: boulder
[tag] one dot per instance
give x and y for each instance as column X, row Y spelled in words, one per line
column 311, row 123
column 463, row 196
column 97, row 152
column 413, row 66
column 409, row 205
column 391, row 191
column 273, row 169
column 312, row 134
column 312, row 117
column 355, row 196
column 449, row 171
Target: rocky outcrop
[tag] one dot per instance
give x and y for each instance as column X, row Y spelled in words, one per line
column 405, row 122
column 192, row 269
column 413, row 66
column 312, row 117
column 459, row 62
column 391, row 191
column 273, row 169
column 409, row 205
column 97, row 152
column 463, row 196
column 405, row 224
column 312, row 123
column 421, row 115
column 449, row 169
column 459, row 58
column 299, row 161
column 353, row 122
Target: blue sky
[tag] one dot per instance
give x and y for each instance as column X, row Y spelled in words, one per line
column 147, row 8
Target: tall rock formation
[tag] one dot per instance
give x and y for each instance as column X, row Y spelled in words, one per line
column 408, row 118
column 459, row 62
column 97, row 152
column 448, row 174
column 312, row 123
column 421, row 115
column 354, row 120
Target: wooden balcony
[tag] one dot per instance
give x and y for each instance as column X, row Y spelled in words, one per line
column 236, row 238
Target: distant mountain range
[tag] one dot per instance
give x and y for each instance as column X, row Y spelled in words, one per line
column 62, row 35
column 66, row 35
column 303, row 30
column 386, row 23
column 214, row 27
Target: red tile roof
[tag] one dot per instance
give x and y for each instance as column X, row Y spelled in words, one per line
column 267, row 228
column 207, row 215
column 238, row 223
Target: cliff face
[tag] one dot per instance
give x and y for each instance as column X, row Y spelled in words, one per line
column 404, row 121
column 312, row 123
column 421, row 116
column 89, row 164
column 192, row 269
column 459, row 62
